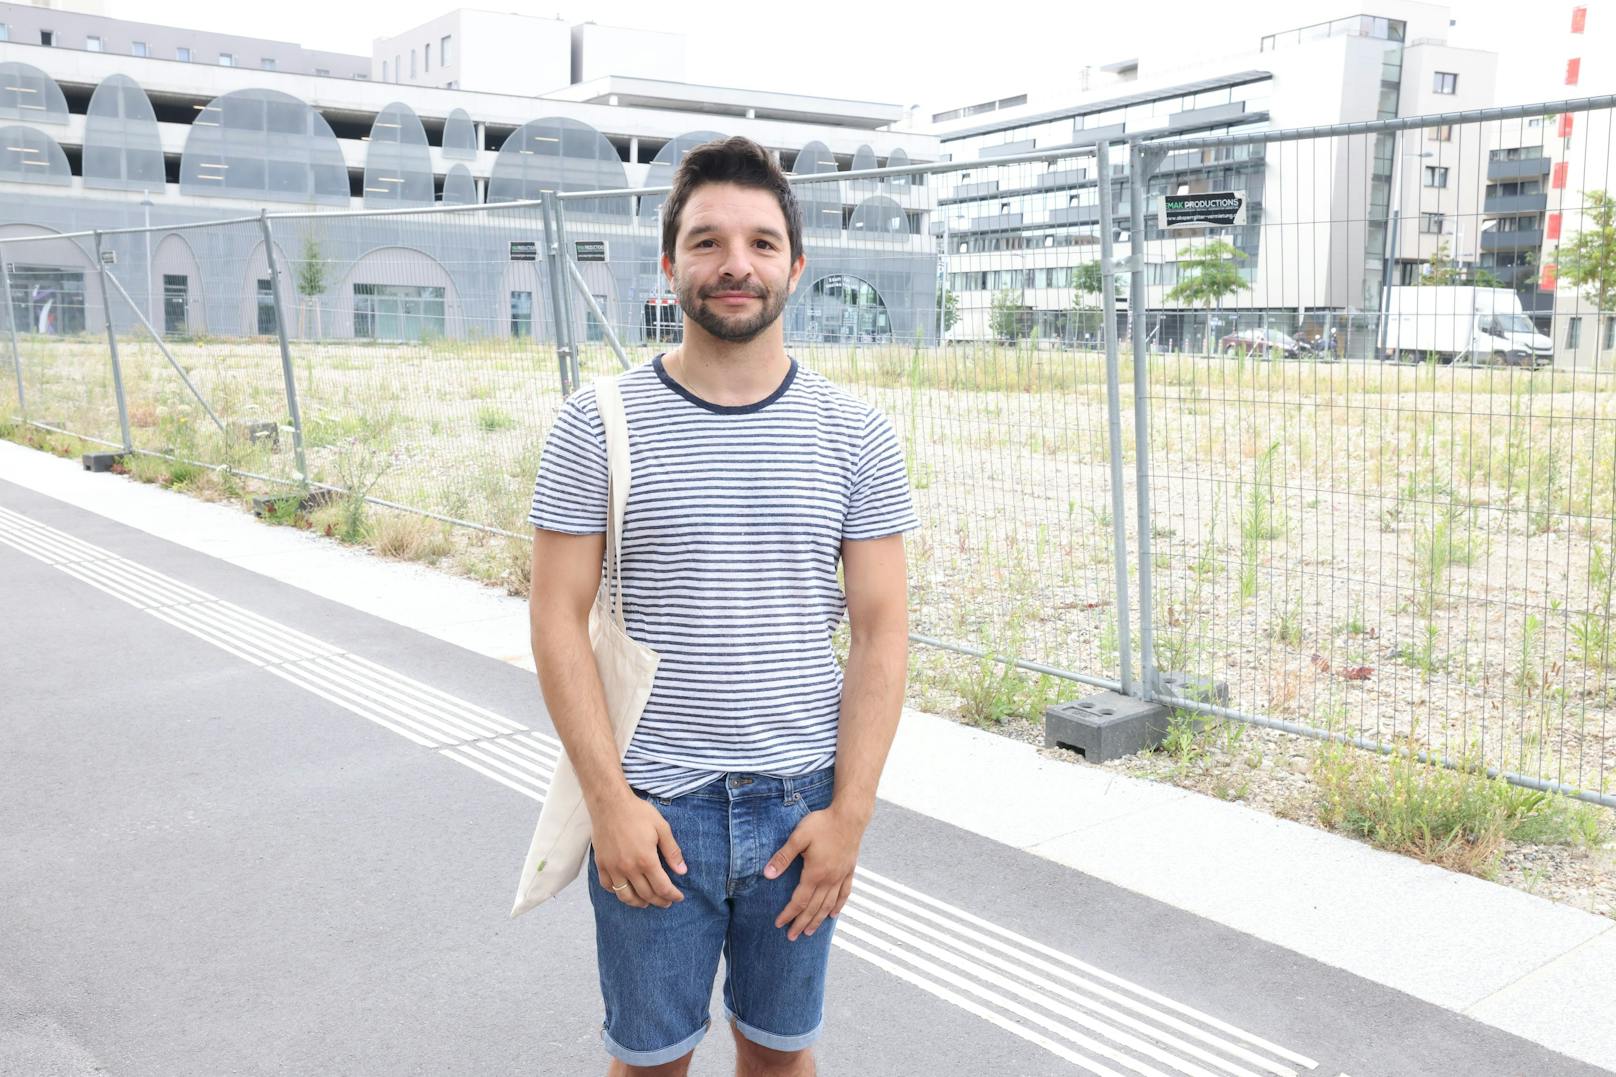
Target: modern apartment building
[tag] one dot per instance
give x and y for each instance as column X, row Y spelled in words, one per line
column 110, row 136
column 1379, row 203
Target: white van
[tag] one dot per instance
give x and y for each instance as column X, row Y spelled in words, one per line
column 1462, row 325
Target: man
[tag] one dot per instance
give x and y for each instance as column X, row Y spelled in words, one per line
column 732, row 824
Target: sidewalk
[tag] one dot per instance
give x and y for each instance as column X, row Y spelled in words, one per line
column 1511, row 960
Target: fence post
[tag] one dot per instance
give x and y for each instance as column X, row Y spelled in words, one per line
column 286, row 348
column 112, row 347
column 551, row 247
column 563, row 271
column 11, row 325
column 1113, row 416
column 1141, row 165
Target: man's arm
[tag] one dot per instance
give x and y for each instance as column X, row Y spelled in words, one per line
column 627, row 832
column 872, row 700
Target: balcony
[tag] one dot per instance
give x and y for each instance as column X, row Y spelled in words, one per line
column 1526, row 168
column 1514, row 205
column 1075, row 214
column 1512, row 241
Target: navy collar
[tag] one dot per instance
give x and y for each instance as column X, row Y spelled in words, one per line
column 723, row 409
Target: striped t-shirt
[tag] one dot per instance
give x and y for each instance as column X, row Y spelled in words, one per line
column 735, row 520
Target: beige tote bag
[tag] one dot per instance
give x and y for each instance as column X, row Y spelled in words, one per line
column 561, row 840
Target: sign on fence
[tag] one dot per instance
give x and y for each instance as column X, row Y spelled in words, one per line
column 590, row 250
column 1200, row 210
column 524, row 250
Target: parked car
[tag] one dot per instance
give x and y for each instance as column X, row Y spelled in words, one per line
column 1265, row 343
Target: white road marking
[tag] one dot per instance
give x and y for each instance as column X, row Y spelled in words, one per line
column 943, row 950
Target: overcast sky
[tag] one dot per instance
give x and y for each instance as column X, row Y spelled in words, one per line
column 909, row 54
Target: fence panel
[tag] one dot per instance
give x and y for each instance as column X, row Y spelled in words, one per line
column 424, row 356
column 60, row 336
column 1402, row 526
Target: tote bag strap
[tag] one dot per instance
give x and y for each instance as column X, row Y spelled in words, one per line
column 609, row 402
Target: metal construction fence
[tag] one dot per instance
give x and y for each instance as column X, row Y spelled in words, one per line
column 1344, row 464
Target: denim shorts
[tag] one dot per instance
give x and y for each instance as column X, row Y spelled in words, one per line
column 657, row 965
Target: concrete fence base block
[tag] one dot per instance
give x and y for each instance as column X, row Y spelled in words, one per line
column 1106, row 726
column 253, row 433
column 101, row 461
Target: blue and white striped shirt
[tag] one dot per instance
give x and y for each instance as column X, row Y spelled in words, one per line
column 733, row 532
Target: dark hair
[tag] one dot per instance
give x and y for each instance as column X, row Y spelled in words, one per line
column 730, row 160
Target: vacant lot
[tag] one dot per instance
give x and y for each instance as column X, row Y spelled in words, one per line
column 1382, row 550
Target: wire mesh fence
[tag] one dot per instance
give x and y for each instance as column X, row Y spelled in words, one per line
column 1346, row 462
column 1413, row 545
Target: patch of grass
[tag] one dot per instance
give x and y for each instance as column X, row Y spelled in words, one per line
column 405, row 536
column 1439, row 546
column 493, row 420
column 1287, row 627
column 1458, row 819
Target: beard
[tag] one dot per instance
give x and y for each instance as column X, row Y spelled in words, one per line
column 734, row 328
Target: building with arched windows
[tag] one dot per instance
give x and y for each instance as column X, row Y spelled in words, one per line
column 115, row 124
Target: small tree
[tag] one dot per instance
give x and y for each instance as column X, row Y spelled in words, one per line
column 1589, row 260
column 951, row 314
column 1086, row 284
column 1441, row 270
column 1213, row 275
column 311, row 278
column 1005, row 318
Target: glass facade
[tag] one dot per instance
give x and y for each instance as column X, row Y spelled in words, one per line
column 27, row 93
column 122, row 149
column 30, row 156
column 559, row 154
column 459, row 189
column 263, row 144
column 459, row 136
column 398, row 311
column 821, row 202
column 47, row 299
column 398, row 163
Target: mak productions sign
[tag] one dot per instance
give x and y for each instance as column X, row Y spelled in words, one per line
column 1209, row 209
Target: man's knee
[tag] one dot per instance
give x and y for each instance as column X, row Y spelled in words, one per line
column 756, row 1060
column 677, row 1068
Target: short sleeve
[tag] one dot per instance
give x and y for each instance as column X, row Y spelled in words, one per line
column 569, row 493
column 880, row 503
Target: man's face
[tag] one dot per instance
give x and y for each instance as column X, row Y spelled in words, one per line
column 732, row 269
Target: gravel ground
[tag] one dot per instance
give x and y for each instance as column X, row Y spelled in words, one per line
column 1272, row 772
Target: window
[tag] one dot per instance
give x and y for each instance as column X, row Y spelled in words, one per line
column 47, row 38
column 322, row 71
column 412, row 63
column 521, row 314
column 1431, row 223
column 266, row 308
column 443, row 51
column 1444, row 133
column 5, row 32
column 1573, row 333
column 137, row 48
column 398, row 69
column 267, row 63
column 1436, row 175
column 1610, row 333
column 1445, row 82
column 93, row 43
column 397, row 311
column 426, row 57
column 182, row 54
column 227, row 59
column 176, row 298
column 384, row 70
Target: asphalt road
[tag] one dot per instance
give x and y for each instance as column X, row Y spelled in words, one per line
column 247, row 830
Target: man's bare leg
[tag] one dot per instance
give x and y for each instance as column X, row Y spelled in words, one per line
column 677, row 1068
column 755, row 1060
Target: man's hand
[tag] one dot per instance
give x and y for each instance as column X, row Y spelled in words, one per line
column 628, row 835
column 828, row 842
